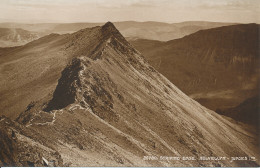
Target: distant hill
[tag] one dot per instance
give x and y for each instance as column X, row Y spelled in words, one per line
column 10, row 37
column 219, row 67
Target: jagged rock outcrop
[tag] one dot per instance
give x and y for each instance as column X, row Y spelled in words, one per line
column 20, row 147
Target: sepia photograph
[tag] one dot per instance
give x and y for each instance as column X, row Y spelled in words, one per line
column 129, row 83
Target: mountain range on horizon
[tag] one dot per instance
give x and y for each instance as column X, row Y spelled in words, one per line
column 89, row 98
column 130, row 29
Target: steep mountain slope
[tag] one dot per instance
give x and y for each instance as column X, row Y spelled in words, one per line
column 111, row 108
column 130, row 29
column 218, row 67
column 14, row 37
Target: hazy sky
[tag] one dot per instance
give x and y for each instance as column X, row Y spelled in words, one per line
column 244, row 11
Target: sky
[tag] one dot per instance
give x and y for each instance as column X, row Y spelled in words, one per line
column 170, row 11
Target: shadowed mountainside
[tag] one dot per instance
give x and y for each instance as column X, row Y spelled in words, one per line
column 218, row 67
column 111, row 108
column 247, row 111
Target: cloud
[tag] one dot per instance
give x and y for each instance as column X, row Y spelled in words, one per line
column 123, row 10
column 231, row 5
column 126, row 3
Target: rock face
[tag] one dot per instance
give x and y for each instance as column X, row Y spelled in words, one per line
column 20, row 150
column 10, row 37
column 111, row 108
column 218, row 67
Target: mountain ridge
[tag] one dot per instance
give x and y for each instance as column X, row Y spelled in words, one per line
column 116, row 109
